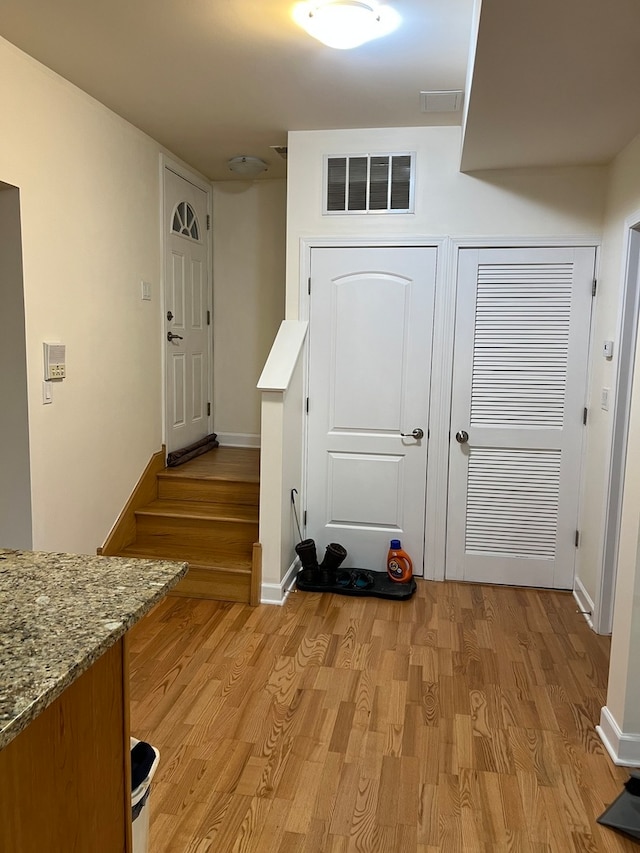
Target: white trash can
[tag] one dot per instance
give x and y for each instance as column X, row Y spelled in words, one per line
column 140, row 805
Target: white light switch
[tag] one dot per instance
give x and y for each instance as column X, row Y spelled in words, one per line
column 146, row 290
column 47, row 393
column 604, row 399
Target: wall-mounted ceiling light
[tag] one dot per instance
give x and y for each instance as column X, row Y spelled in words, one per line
column 248, row 167
column 344, row 24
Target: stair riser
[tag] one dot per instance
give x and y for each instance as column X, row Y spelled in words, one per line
column 184, row 535
column 210, row 491
column 214, row 584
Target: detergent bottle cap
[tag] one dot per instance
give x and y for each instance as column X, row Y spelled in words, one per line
column 395, row 544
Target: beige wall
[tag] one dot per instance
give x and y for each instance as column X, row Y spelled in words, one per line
column 248, row 276
column 89, row 195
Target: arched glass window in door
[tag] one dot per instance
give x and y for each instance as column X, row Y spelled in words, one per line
column 185, row 221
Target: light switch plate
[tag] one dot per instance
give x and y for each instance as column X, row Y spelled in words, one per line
column 146, row 290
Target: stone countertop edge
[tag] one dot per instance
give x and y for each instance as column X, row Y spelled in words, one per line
column 28, row 685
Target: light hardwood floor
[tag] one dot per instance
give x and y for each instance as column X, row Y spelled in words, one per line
column 462, row 720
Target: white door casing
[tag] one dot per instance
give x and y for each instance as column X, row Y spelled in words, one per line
column 370, row 335
column 519, row 386
column 187, row 314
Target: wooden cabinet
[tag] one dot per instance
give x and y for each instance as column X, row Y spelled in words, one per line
column 65, row 781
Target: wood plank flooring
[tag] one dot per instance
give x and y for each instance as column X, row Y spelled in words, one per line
column 462, row 720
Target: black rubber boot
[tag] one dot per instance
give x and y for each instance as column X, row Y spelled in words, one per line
column 333, row 558
column 306, row 550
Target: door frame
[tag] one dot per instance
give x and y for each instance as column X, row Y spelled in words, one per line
column 434, row 426
column 517, row 242
column 627, row 327
column 201, row 183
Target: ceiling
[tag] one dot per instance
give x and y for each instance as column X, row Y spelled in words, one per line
column 553, row 82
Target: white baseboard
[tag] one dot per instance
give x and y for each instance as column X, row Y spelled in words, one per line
column 624, row 749
column 238, row 439
column 276, row 593
column 585, row 603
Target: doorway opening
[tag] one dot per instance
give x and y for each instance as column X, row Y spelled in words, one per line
column 15, row 484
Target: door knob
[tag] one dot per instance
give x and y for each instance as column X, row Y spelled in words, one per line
column 417, row 433
column 462, row 437
column 172, row 337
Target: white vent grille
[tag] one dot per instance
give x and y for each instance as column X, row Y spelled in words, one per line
column 512, row 502
column 521, row 345
column 369, row 183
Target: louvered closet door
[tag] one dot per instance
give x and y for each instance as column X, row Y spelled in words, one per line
column 520, row 365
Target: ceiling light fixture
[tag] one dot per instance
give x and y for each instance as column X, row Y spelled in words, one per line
column 248, row 167
column 344, row 24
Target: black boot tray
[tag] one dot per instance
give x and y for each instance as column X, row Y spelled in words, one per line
column 357, row 582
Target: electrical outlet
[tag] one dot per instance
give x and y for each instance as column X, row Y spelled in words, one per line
column 604, row 399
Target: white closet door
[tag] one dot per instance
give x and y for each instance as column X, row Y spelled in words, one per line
column 519, row 385
column 370, row 338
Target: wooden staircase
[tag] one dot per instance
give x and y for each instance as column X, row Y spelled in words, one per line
column 205, row 512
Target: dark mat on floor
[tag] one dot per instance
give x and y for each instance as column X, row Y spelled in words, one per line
column 357, row 582
column 178, row 457
column 623, row 815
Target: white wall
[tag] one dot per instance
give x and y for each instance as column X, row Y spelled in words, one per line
column 514, row 204
column 89, row 190
column 623, row 696
column 15, row 479
column 248, row 276
column 623, row 198
column 522, row 202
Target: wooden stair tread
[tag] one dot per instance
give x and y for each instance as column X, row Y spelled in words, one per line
column 240, row 513
column 230, row 562
column 237, row 464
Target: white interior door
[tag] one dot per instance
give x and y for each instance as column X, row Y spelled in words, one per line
column 370, row 335
column 187, row 317
column 519, row 385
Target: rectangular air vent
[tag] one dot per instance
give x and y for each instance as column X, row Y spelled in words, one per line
column 369, row 183
column 449, row 101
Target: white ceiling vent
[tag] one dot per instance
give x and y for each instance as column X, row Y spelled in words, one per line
column 369, row 183
column 441, row 102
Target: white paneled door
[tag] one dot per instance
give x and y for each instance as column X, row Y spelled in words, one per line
column 370, row 334
column 187, row 296
column 519, row 385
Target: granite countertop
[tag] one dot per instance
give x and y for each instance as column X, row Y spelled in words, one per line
column 58, row 614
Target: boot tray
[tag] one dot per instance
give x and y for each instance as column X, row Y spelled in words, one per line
column 357, row 582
